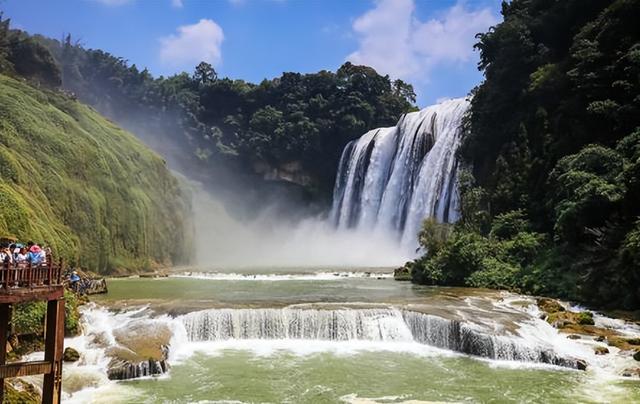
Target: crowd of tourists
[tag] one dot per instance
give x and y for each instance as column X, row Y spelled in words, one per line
column 31, row 253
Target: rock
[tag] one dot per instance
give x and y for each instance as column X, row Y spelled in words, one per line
column 154, row 274
column 636, row 356
column 573, row 336
column 549, row 305
column 577, row 322
column 631, row 372
column 291, row 172
column 601, row 350
column 633, row 341
column 95, row 286
column 123, row 370
column 581, row 365
column 70, row 355
column 141, row 350
column 600, row 338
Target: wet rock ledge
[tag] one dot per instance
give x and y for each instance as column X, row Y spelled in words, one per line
column 141, row 350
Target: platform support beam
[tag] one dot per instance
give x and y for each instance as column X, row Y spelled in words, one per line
column 5, row 319
column 53, row 350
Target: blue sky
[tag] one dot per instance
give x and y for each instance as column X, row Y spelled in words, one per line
column 425, row 42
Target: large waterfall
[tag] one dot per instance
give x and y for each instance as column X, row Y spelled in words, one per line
column 391, row 179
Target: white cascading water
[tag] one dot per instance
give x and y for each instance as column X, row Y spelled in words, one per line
column 380, row 324
column 391, row 179
column 305, row 329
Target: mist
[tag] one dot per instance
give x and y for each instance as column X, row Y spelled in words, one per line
column 238, row 221
column 268, row 240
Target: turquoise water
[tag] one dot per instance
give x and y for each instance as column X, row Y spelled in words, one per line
column 396, row 377
column 312, row 371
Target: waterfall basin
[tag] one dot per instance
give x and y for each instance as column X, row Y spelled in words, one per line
column 352, row 336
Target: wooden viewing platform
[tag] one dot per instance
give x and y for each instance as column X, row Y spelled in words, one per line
column 25, row 283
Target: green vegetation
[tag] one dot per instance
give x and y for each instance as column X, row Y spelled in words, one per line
column 226, row 124
column 552, row 203
column 25, row 393
column 76, row 182
column 72, row 180
column 28, row 318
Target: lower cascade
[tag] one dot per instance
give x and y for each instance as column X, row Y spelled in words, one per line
column 390, row 179
column 391, row 325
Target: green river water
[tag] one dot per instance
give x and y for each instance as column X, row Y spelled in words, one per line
column 336, row 372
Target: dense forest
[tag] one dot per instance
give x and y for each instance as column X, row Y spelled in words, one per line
column 74, row 181
column 290, row 128
column 551, row 199
column 550, row 189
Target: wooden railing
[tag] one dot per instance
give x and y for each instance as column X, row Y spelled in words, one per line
column 26, row 275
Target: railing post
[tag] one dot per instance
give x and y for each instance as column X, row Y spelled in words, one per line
column 29, row 274
column 60, row 266
column 50, row 272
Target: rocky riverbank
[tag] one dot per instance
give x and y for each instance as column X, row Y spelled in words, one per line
column 581, row 325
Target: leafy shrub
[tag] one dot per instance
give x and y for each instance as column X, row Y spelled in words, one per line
column 495, row 274
column 507, row 225
column 585, row 318
column 28, row 318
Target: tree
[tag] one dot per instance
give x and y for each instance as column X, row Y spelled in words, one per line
column 33, row 60
column 205, row 74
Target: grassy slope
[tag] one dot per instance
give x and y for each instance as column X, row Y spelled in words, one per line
column 90, row 190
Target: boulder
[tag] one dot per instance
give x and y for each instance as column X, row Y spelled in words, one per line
column 549, row 305
column 95, row 286
column 633, row 341
column 581, row 365
column 141, row 350
column 574, row 336
column 599, row 338
column 70, row 355
column 636, row 356
column 600, row 350
column 578, row 322
column 631, row 372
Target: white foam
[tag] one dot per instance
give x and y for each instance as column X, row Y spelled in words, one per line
column 315, row 276
column 377, row 332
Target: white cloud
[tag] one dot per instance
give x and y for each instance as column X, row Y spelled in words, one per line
column 193, row 44
column 393, row 41
column 177, row 3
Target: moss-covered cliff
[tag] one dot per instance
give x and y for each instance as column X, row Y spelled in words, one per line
column 73, row 180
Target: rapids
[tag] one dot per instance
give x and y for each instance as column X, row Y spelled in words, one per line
column 367, row 339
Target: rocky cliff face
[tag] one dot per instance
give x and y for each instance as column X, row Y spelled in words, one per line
column 291, row 172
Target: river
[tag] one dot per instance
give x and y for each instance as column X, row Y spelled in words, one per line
column 336, row 335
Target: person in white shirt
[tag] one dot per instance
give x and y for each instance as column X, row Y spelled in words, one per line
column 22, row 257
